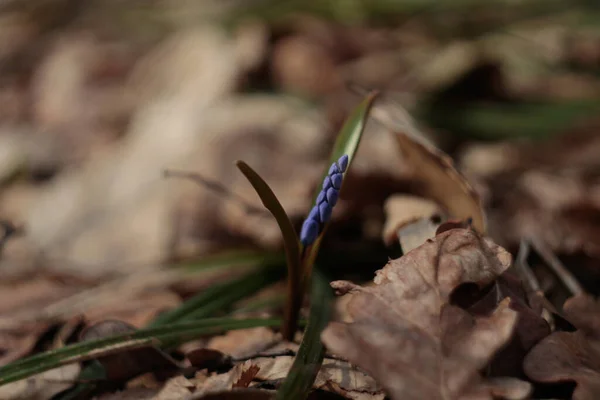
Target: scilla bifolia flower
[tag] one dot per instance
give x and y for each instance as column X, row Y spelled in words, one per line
column 321, row 212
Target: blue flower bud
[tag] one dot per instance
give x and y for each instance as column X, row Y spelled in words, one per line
column 325, row 210
column 326, row 200
column 343, row 163
column 336, row 180
column 332, row 196
column 309, row 232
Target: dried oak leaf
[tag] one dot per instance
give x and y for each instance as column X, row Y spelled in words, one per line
column 439, row 179
column 411, row 340
column 335, row 376
column 571, row 356
column 411, row 220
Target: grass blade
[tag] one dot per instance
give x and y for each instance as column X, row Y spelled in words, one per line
column 535, row 121
column 219, row 297
column 175, row 333
column 204, row 304
column 291, row 243
column 309, row 358
column 233, row 259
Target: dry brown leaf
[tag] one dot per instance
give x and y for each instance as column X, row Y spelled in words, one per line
column 137, row 311
column 176, row 389
column 530, row 329
column 31, row 294
column 42, row 386
column 237, row 394
column 126, row 364
column 406, row 334
column 335, row 376
column 410, row 219
column 130, row 394
column 244, row 342
column 571, row 356
column 246, row 377
column 440, row 180
column 19, row 341
column 223, row 382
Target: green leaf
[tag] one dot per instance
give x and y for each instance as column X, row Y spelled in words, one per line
column 206, row 303
column 220, row 296
column 233, row 259
column 346, row 143
column 290, row 241
column 270, row 302
column 309, row 358
column 506, row 121
column 175, row 333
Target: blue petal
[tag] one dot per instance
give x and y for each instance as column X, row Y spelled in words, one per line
column 309, row 232
column 326, row 183
column 343, row 163
column 325, row 212
column 314, row 214
column 334, row 169
column 332, row 196
column 336, row 181
column 321, row 197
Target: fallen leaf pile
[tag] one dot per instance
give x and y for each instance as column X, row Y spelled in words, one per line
column 407, row 333
column 94, row 242
column 565, row 357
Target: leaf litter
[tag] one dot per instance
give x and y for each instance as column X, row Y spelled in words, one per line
column 461, row 325
column 409, row 336
column 564, row 356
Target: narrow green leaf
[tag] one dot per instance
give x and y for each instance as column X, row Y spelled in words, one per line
column 231, row 259
column 220, row 296
column 309, row 358
column 273, row 301
column 349, row 136
column 346, row 143
column 505, row 121
column 208, row 302
column 290, row 241
column 175, row 333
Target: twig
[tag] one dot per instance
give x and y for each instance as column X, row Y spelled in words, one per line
column 568, row 280
column 523, row 269
column 216, row 187
column 282, row 353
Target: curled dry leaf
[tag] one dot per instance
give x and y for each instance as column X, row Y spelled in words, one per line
column 571, row 356
column 407, row 335
column 439, row 180
column 530, row 328
column 411, row 220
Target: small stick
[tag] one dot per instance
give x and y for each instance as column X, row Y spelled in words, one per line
column 216, row 187
column 523, row 269
column 282, row 353
column 556, row 265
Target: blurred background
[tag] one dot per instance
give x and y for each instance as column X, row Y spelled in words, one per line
column 99, row 97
